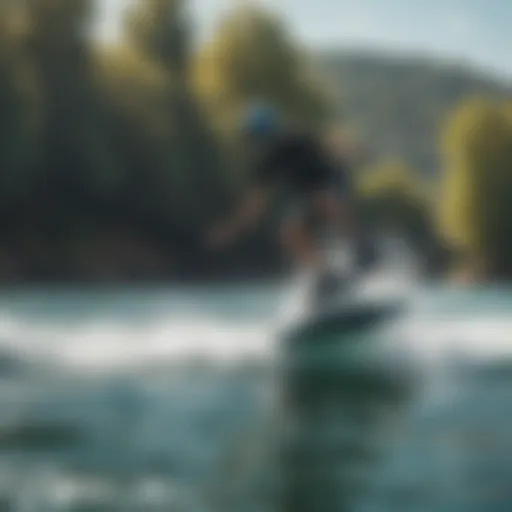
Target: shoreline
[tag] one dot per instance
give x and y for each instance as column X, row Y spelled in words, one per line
column 144, row 282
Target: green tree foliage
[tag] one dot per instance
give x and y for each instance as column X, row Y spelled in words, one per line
column 476, row 207
column 392, row 196
column 252, row 56
column 160, row 31
column 122, row 147
column 134, row 91
column 137, row 138
column 19, row 126
column 75, row 167
column 17, row 122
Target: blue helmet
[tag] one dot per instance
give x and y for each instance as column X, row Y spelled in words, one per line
column 259, row 121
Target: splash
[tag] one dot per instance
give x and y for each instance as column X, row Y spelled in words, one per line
column 102, row 345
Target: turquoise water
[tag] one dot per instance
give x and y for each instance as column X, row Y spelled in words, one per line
column 148, row 398
column 154, row 387
column 136, row 325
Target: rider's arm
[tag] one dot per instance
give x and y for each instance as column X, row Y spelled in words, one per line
column 252, row 207
column 255, row 203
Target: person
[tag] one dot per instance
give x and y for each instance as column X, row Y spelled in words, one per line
column 315, row 184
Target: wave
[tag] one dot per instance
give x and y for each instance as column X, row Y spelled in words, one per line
column 113, row 344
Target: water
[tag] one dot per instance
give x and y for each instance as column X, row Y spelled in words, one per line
column 109, row 328
column 130, row 398
column 451, row 450
column 134, row 398
column 156, row 398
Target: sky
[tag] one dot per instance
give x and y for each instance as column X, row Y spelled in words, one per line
column 477, row 31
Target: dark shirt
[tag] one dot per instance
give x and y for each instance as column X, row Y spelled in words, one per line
column 295, row 162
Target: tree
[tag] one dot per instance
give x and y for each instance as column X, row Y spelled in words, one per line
column 76, row 170
column 252, row 56
column 160, row 31
column 135, row 90
column 160, row 28
column 477, row 202
column 18, row 121
column 392, row 196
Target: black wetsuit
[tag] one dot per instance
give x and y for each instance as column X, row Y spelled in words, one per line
column 297, row 163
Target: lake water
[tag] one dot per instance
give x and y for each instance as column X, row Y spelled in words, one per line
column 140, row 398
column 154, row 387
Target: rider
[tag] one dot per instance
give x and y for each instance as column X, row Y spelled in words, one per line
column 298, row 164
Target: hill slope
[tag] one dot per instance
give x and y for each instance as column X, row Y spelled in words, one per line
column 399, row 103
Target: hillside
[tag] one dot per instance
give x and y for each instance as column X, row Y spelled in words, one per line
column 398, row 103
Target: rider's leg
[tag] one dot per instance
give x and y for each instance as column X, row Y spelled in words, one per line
column 298, row 241
column 335, row 211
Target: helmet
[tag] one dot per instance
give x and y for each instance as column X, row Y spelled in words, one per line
column 259, row 120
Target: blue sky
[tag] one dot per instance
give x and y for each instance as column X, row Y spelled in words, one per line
column 474, row 30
